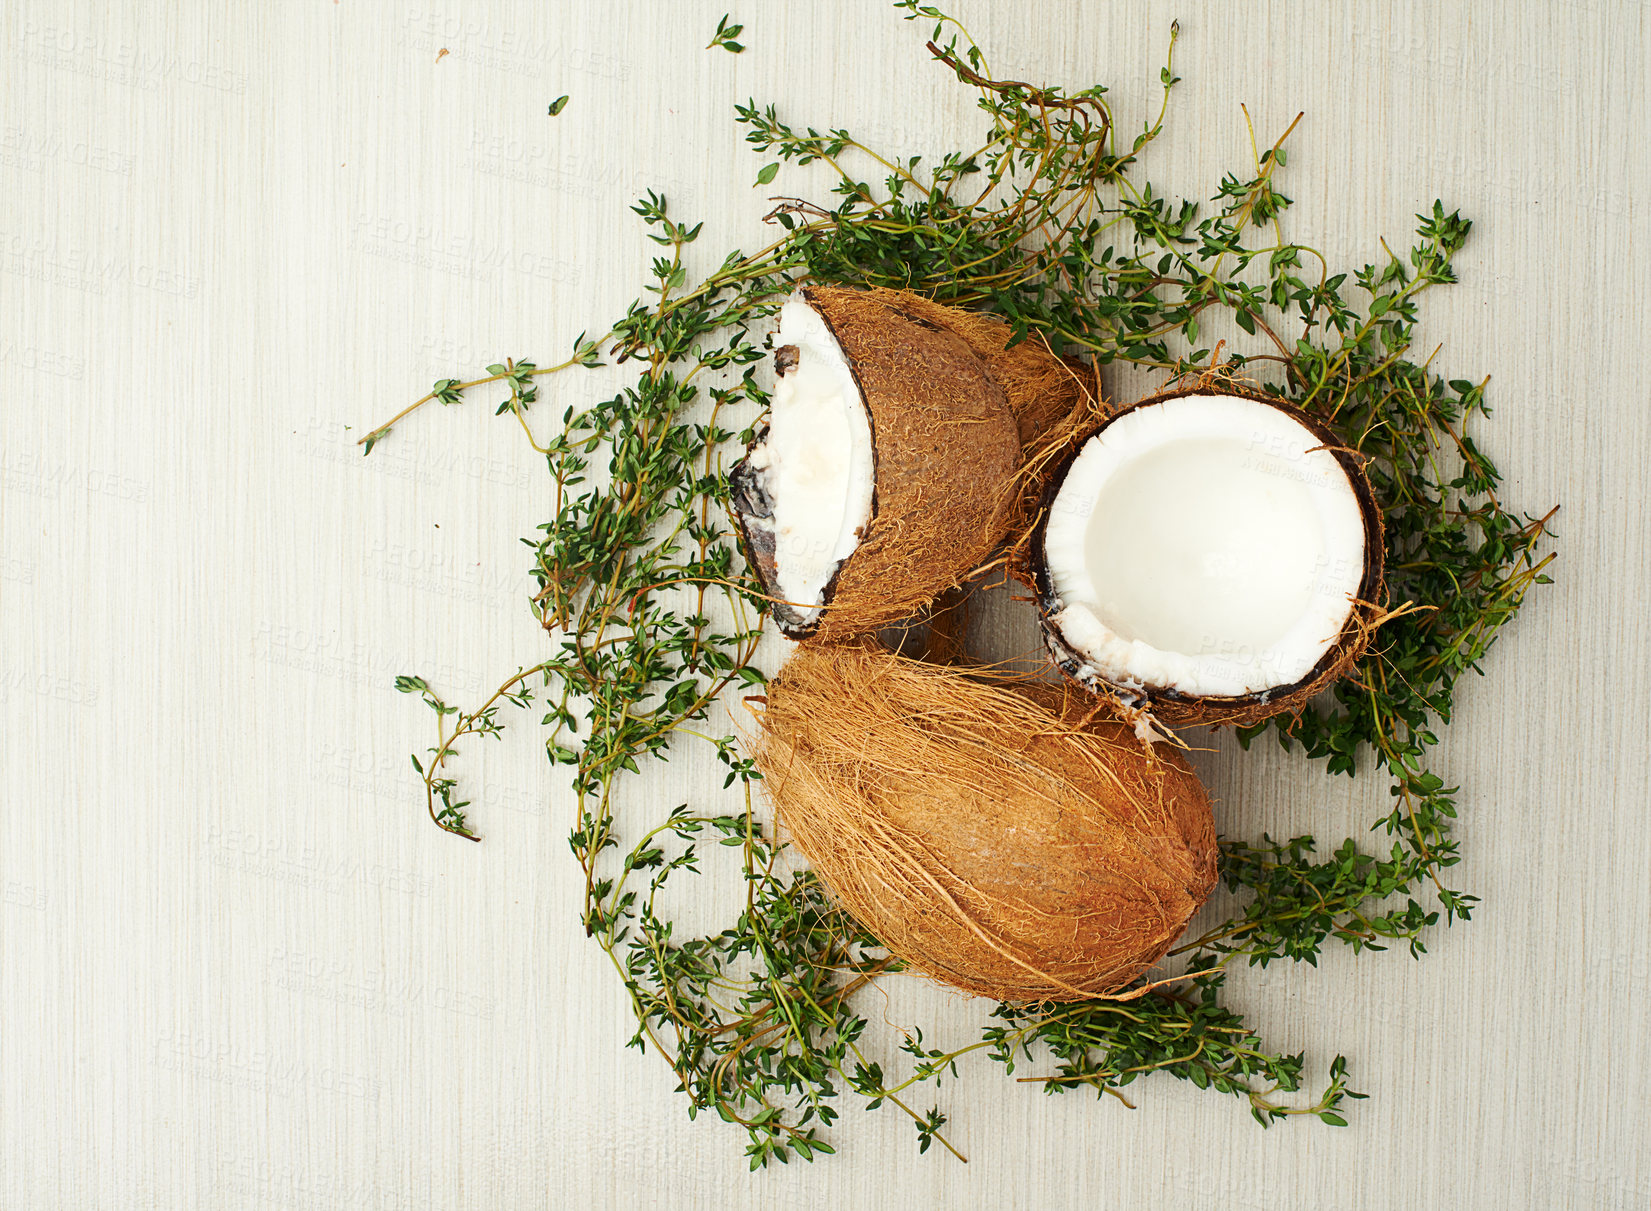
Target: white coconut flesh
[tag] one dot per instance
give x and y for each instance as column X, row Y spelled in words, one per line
column 1204, row 544
column 815, row 463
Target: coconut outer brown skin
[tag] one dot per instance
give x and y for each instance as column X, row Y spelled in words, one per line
column 999, row 838
column 1172, row 707
column 1050, row 396
column 946, row 454
column 1043, row 390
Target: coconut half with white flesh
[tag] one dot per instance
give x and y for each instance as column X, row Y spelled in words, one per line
column 1210, row 554
column 886, row 470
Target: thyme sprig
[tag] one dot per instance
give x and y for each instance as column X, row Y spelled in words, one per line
column 652, row 619
column 725, row 36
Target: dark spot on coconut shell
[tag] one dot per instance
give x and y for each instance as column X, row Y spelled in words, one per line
column 749, row 490
column 785, row 359
column 753, row 504
column 920, row 321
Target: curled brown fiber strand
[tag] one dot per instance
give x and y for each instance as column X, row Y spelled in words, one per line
column 985, row 832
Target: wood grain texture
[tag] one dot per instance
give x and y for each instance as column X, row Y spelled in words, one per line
column 238, row 968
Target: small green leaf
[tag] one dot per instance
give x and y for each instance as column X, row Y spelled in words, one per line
column 725, row 35
column 558, row 105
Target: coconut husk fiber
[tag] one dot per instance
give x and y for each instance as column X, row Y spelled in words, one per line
column 1042, row 390
column 995, row 836
column 1051, row 397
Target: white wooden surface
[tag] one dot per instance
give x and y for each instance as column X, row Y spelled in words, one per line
column 238, row 968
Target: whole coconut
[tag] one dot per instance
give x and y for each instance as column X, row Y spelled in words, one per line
column 996, row 836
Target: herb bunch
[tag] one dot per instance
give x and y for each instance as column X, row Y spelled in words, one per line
column 652, row 620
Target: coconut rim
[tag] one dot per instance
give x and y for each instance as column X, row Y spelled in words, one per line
column 1354, row 630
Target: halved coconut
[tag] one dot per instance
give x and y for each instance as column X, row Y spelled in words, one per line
column 1008, row 839
column 886, row 471
column 1211, row 554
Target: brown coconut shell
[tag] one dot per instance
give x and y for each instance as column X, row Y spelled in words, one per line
column 997, row 837
column 946, row 450
column 1043, row 390
column 1169, row 706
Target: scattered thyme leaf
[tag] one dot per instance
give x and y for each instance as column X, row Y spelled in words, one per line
column 725, row 35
